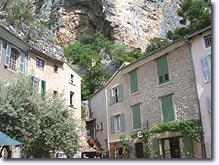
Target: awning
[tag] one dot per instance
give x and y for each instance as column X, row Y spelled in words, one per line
column 6, row 140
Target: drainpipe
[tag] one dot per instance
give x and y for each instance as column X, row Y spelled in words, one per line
column 186, row 40
column 107, row 120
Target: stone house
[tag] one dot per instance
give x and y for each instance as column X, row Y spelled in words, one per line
column 158, row 88
column 201, row 54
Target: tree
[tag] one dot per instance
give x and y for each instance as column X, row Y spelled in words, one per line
column 155, row 44
column 196, row 15
column 41, row 124
column 88, row 54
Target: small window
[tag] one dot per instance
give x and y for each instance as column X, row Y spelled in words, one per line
column 71, row 99
column 117, row 123
column 207, row 40
column 206, row 68
column 208, row 100
column 39, row 63
column 55, row 93
column 116, row 94
column 71, row 78
column 55, row 68
column 162, row 70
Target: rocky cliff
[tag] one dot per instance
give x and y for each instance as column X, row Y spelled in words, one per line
column 132, row 22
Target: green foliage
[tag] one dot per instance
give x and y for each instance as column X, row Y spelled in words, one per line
column 191, row 128
column 196, row 15
column 155, row 44
column 88, row 53
column 127, row 145
column 40, row 124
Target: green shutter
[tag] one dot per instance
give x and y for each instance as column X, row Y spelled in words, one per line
column 162, row 69
column 188, row 148
column 112, row 124
column 155, row 143
column 167, row 109
column 134, row 81
column 43, row 88
column 120, row 94
column 7, row 55
column 1, row 49
column 136, row 117
column 111, row 97
column 122, row 120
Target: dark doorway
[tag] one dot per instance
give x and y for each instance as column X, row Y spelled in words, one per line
column 139, row 150
column 171, row 148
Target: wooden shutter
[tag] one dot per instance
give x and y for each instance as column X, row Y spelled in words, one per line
column 7, row 55
column 162, row 69
column 111, row 96
column 120, row 94
column 1, row 48
column 136, row 117
column 122, row 121
column 134, row 81
column 167, row 109
column 43, row 88
column 112, row 124
column 188, row 147
column 155, row 143
column 22, row 62
column 206, row 68
column 208, row 100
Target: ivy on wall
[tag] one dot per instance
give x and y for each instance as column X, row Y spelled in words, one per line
column 190, row 128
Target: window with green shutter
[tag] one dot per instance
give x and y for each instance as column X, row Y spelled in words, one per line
column 1, row 48
column 43, row 88
column 117, row 123
column 134, row 81
column 136, row 117
column 162, row 70
column 116, row 94
column 167, row 108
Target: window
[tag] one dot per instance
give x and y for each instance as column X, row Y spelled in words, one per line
column 206, row 68
column 208, row 100
column 1, row 48
column 162, row 70
column 134, row 81
column 117, row 123
column 55, row 68
column 39, row 63
column 71, row 99
column 167, row 108
column 116, row 94
column 39, row 85
column 13, row 59
column 207, row 40
column 136, row 117
column 71, row 78
column 43, row 88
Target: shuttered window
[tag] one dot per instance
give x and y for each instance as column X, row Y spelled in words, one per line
column 7, row 55
column 117, row 123
column 207, row 40
column 136, row 117
column 167, row 108
column 1, row 48
column 116, row 94
column 43, row 88
column 134, row 81
column 206, row 68
column 22, row 63
column 162, row 70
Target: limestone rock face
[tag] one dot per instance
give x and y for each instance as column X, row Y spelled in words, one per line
column 135, row 22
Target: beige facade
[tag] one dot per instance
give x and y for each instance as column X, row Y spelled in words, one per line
column 10, row 68
column 148, row 99
column 201, row 54
column 58, row 77
column 49, row 74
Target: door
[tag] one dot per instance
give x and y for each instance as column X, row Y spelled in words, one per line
column 171, row 148
column 139, row 150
